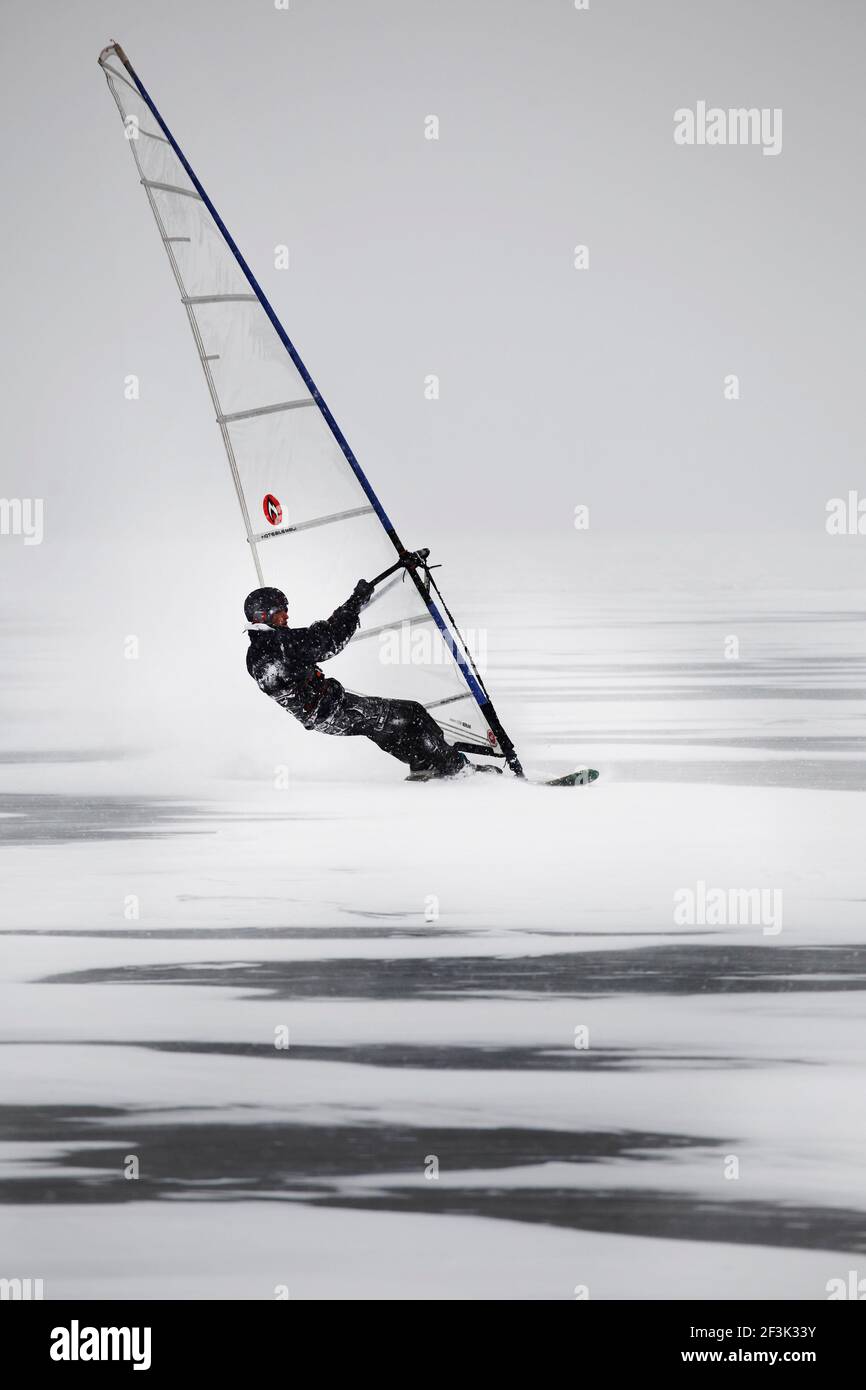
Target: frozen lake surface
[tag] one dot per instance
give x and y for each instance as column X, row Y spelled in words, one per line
column 511, row 1072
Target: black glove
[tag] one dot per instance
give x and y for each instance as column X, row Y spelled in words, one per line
column 362, row 592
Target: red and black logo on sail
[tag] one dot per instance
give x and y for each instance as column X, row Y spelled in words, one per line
column 272, row 509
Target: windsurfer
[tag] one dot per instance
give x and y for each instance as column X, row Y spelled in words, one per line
column 283, row 661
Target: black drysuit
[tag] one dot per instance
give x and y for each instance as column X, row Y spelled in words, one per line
column 284, row 664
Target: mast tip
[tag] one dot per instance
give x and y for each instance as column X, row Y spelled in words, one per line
column 109, row 50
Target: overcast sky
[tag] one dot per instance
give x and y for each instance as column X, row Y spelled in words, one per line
column 453, row 257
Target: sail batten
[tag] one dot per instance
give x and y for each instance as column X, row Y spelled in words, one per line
column 314, row 521
column 266, row 410
column 289, row 461
column 170, row 187
column 218, row 299
column 449, row 700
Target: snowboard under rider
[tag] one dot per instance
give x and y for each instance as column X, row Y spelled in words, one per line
column 284, row 663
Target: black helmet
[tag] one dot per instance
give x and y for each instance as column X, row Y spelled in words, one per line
column 261, row 604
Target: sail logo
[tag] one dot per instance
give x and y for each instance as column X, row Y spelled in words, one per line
column 76, row 1343
column 729, row 907
column 23, row 516
column 410, row 645
column 272, row 509
column 738, row 126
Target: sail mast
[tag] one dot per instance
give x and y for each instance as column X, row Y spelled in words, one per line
column 472, row 681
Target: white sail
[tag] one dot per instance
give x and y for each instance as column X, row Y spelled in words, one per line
column 313, row 523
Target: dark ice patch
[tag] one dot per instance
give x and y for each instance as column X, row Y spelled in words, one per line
column 651, row 970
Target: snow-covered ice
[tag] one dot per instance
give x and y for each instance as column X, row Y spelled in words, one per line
column 432, row 951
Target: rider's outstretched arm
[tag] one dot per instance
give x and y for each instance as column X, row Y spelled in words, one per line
column 326, row 638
